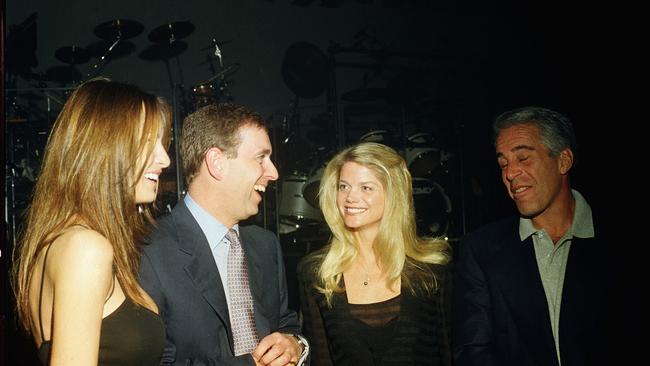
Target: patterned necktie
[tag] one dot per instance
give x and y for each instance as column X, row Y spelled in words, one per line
column 242, row 316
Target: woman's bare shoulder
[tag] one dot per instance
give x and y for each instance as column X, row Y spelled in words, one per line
column 81, row 247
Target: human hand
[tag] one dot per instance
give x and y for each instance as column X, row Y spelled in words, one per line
column 277, row 349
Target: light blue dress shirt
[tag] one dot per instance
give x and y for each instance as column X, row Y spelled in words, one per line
column 215, row 232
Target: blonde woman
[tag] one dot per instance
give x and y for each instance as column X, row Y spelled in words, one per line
column 376, row 295
column 76, row 268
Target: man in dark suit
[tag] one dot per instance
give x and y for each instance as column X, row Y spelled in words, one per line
column 220, row 307
column 535, row 289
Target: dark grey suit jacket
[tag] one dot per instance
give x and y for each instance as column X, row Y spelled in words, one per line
column 500, row 313
column 179, row 272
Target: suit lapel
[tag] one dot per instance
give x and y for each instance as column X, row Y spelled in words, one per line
column 516, row 270
column 200, row 266
column 255, row 259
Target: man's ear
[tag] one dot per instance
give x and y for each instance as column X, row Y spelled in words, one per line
column 215, row 162
column 566, row 161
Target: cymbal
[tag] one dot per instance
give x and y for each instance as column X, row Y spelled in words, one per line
column 228, row 70
column 163, row 51
column 171, row 32
column 72, row 55
column 118, row 29
column 365, row 95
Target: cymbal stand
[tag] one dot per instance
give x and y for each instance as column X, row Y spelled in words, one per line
column 217, row 52
column 10, row 201
column 103, row 61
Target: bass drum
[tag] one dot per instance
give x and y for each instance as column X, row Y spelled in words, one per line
column 432, row 207
column 423, row 158
column 294, row 209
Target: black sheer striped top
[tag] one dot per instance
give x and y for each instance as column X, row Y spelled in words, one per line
column 405, row 330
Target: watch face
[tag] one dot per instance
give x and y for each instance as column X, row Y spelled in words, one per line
column 300, row 342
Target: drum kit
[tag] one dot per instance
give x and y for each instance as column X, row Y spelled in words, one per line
column 115, row 41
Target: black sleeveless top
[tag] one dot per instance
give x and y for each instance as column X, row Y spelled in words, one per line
column 130, row 335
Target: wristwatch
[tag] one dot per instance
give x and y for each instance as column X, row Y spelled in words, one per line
column 304, row 346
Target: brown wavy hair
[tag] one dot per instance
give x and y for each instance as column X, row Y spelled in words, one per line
column 88, row 176
column 214, row 125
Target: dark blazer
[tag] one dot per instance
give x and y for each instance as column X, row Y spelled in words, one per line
column 500, row 313
column 179, row 272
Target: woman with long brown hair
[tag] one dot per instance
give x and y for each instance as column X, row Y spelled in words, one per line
column 75, row 274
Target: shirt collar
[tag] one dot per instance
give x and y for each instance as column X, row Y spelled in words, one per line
column 582, row 225
column 214, row 230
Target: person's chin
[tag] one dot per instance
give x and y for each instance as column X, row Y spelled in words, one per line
column 253, row 210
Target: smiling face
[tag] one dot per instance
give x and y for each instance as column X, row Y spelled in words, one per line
column 247, row 175
column 146, row 188
column 360, row 198
column 532, row 177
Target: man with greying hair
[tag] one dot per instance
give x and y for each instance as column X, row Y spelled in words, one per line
column 534, row 289
column 221, row 287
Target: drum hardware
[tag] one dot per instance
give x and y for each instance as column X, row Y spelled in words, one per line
column 114, row 31
column 69, row 74
column 120, row 50
column 118, row 29
column 215, row 42
column 216, row 52
column 171, row 32
column 211, row 90
column 226, row 71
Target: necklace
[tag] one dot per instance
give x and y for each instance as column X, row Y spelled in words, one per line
column 366, row 280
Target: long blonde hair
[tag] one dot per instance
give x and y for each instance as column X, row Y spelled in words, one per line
column 88, row 175
column 400, row 252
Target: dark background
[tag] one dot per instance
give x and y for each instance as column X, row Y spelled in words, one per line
column 351, row 68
